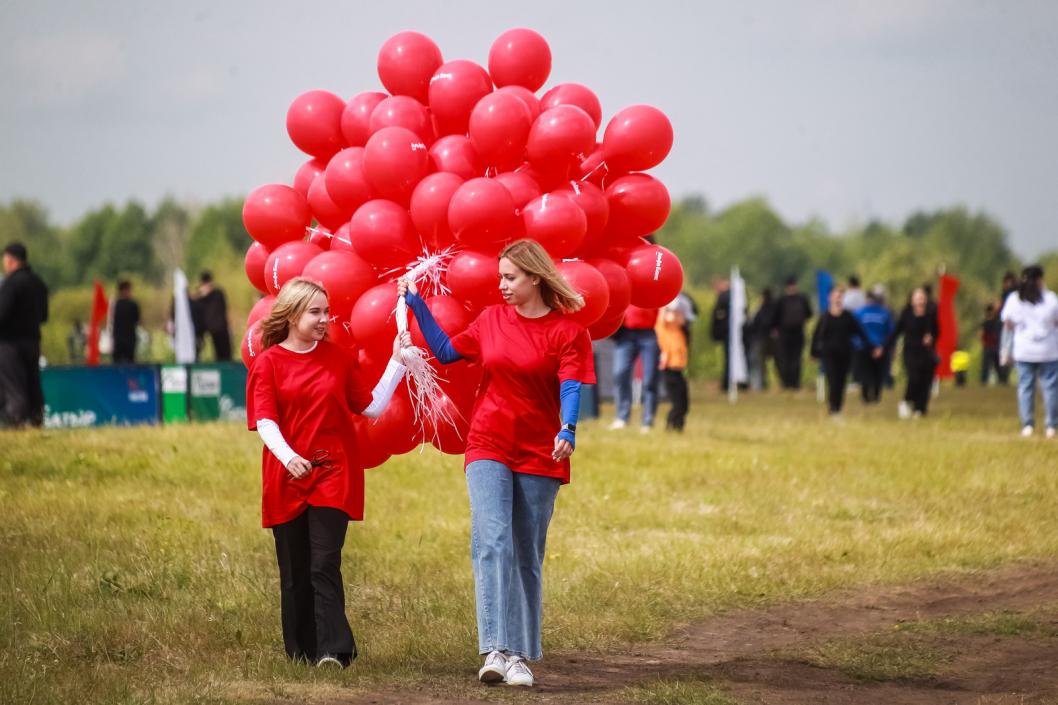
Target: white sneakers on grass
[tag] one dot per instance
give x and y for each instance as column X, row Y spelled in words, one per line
column 1050, row 433
column 903, row 410
column 617, row 425
column 1026, row 432
column 501, row 668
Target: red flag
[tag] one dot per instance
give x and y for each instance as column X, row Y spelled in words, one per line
column 949, row 328
column 99, row 315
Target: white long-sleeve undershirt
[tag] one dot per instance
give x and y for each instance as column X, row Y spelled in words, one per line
column 273, row 439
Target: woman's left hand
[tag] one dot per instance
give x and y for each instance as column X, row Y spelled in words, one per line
column 563, row 449
column 402, row 340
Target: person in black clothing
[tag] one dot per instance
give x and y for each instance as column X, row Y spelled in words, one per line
column 918, row 324
column 23, row 309
column 124, row 319
column 720, row 326
column 211, row 309
column 991, row 333
column 792, row 312
column 761, row 344
column 832, row 343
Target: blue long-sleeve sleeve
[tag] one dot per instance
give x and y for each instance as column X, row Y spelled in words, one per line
column 437, row 339
column 569, row 396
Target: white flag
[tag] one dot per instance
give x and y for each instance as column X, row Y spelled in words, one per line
column 737, row 352
column 183, row 328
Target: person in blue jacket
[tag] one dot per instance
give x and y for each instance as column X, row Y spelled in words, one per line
column 877, row 324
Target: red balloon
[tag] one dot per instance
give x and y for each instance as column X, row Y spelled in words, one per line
column 374, row 326
column 448, row 433
column 590, row 284
column 372, row 364
column 341, row 241
column 455, row 88
column 314, row 123
column 656, row 276
column 356, row 117
column 396, row 429
column 429, row 208
column 574, row 94
column 274, row 214
column 345, row 180
column 639, row 205
column 592, row 201
column 369, row 454
column 617, row 282
column 395, row 160
column 481, row 214
column 254, row 263
column 559, row 135
column 320, row 237
column 556, row 222
column 307, row 173
column 340, row 332
column 522, row 186
column 406, row 62
column 251, row 343
column 383, row 234
column 474, row 279
column 526, row 96
column 637, row 138
column 402, row 111
column 452, row 316
column 328, row 213
column 455, row 154
column 286, row 262
column 344, row 275
column 261, row 309
column 499, row 128
column 605, row 327
column 520, row 57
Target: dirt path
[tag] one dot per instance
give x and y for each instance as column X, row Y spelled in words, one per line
column 739, row 652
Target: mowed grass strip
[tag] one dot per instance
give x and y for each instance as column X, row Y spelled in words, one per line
column 133, row 567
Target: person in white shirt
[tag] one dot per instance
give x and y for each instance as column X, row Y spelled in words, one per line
column 1032, row 315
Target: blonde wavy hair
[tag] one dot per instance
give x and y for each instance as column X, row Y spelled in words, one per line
column 293, row 299
column 530, row 257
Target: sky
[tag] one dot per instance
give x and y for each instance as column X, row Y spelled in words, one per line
column 843, row 110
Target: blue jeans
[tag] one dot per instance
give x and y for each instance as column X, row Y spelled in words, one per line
column 628, row 344
column 1047, row 372
column 509, row 514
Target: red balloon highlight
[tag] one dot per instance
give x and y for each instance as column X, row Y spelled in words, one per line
column 406, row 62
column 274, row 214
column 520, row 57
column 637, row 138
column 314, row 123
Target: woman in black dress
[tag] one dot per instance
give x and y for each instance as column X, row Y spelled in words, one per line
column 832, row 344
column 918, row 324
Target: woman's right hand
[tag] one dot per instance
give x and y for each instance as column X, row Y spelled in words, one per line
column 298, row 467
column 405, row 285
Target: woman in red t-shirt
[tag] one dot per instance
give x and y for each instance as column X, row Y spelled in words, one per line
column 534, row 361
column 301, row 395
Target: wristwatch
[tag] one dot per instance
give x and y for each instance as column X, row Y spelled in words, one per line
column 571, row 427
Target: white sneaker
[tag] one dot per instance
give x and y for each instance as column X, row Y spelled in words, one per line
column 518, row 672
column 1050, row 432
column 495, row 668
column 617, row 425
column 903, row 410
column 330, row 662
column 644, row 430
column 1026, row 432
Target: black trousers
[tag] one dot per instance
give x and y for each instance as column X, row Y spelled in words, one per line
column 676, row 390
column 21, row 396
column 836, row 366
column 309, row 552
column 873, row 374
column 221, row 344
column 989, row 362
column 920, row 370
column 788, row 356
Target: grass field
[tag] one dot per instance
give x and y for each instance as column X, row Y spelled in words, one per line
column 133, row 568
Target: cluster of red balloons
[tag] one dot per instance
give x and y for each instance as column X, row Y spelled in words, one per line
column 459, row 159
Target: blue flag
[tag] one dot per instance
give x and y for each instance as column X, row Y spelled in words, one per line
column 824, row 283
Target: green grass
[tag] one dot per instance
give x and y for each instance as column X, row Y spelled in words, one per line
column 677, row 692
column 134, row 569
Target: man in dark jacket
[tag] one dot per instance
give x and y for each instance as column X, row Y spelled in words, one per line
column 124, row 321
column 719, row 326
column 792, row 312
column 210, row 311
column 23, row 309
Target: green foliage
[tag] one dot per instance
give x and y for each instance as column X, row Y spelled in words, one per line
column 217, row 234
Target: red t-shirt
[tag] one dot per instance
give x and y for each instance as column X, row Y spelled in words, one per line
column 638, row 318
column 312, row 397
column 517, row 414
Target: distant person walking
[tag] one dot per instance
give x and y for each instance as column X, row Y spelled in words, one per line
column 877, row 325
column 761, row 344
column 211, row 309
column 792, row 312
column 23, row 310
column 991, row 337
column 1032, row 315
column 832, row 344
column 918, row 325
column 720, row 327
column 672, row 340
column 636, row 339
column 124, row 320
